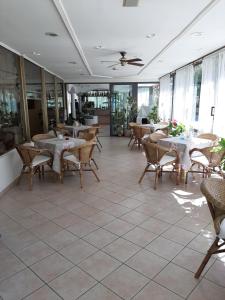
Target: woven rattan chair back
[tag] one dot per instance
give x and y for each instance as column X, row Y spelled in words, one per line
column 209, row 136
column 26, row 154
column 83, row 153
column 42, row 136
column 156, row 136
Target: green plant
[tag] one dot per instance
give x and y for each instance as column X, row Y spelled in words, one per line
column 153, row 115
column 220, row 147
column 131, row 109
column 176, row 129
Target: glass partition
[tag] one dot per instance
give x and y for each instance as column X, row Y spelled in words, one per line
column 10, row 120
column 34, row 97
column 61, row 105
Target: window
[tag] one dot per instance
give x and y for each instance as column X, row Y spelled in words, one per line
column 197, row 89
column 10, row 117
column 148, row 95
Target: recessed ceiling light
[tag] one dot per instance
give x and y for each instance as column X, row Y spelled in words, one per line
column 197, row 33
column 150, row 36
column 52, row 34
column 36, row 53
column 98, row 47
column 72, row 62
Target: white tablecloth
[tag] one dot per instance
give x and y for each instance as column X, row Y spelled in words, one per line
column 76, row 129
column 56, row 146
column 183, row 146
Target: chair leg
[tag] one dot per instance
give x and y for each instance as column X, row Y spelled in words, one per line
column 131, row 138
column 99, row 149
column 21, row 174
column 30, row 179
column 81, row 177
column 93, row 171
column 211, row 250
column 43, row 171
column 143, row 174
column 133, row 143
column 186, row 177
column 94, row 163
column 99, row 142
column 156, row 178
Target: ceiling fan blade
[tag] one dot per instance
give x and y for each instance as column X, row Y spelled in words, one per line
column 135, row 64
column 105, row 61
column 113, row 65
column 134, row 59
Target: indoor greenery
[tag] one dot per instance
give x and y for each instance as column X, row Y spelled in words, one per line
column 218, row 148
column 153, row 115
column 175, row 128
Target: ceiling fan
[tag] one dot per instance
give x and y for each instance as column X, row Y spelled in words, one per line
column 123, row 61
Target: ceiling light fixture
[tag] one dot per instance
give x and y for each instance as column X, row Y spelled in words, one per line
column 197, row 33
column 130, row 3
column 36, row 53
column 52, row 34
column 150, row 36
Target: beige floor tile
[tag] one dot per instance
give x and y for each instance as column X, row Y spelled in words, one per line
column 131, row 203
column 155, row 291
column 125, row 282
column 99, row 292
column 119, row 227
column 20, row 285
column 72, row 284
column 33, row 220
column 170, row 216
column 82, row 228
column 134, row 217
column 147, row 263
column 149, row 209
column 217, row 273
column 78, row 251
column 177, row 279
column 155, row 226
column 51, row 267
column 140, row 236
column 44, row 293
column 201, row 243
column 179, row 235
column 34, row 253
column 67, row 220
column 164, row 248
column 9, row 264
column 192, row 224
column 100, row 238
column 61, row 239
column 117, row 210
column 101, row 219
column 100, row 203
column 207, row 290
column 121, row 249
column 191, row 260
column 86, row 211
column 99, row 265
column 46, row 229
column 72, row 205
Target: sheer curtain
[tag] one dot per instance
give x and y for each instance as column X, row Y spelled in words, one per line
column 219, row 127
column 208, row 92
column 184, row 100
column 143, row 96
column 165, row 98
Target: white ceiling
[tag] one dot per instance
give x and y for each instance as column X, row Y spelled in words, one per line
column 82, row 25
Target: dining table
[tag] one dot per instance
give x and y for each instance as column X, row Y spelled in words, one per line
column 183, row 145
column 75, row 129
column 56, row 146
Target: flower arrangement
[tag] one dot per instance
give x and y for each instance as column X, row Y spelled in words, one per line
column 176, row 128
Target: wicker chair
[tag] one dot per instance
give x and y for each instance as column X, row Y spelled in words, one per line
column 159, row 157
column 155, row 137
column 214, row 191
column 131, row 127
column 42, row 136
column 80, row 157
column 34, row 161
column 89, row 137
column 97, row 133
column 208, row 162
column 60, row 128
column 209, row 136
column 139, row 133
column 164, row 130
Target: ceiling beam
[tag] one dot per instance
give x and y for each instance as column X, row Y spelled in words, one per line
column 197, row 18
column 69, row 27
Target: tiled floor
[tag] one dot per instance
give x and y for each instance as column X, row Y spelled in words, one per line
column 113, row 240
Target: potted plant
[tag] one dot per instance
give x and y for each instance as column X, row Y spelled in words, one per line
column 220, row 147
column 175, row 128
column 153, row 115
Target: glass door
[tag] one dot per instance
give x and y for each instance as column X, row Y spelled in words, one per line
column 121, row 106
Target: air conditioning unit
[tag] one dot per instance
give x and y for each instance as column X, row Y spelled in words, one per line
column 130, row 3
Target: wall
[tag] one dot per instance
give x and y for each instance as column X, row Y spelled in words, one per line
column 10, row 166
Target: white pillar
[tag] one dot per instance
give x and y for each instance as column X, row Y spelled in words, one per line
column 73, row 106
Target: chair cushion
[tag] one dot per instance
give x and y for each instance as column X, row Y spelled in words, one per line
column 222, row 230
column 201, row 159
column 72, row 159
column 40, row 159
column 167, row 159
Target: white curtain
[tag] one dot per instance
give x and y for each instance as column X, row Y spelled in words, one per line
column 219, row 127
column 208, row 92
column 143, row 96
column 165, row 98
column 184, row 100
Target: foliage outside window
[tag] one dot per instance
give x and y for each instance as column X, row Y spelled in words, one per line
column 197, row 89
column 10, row 119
